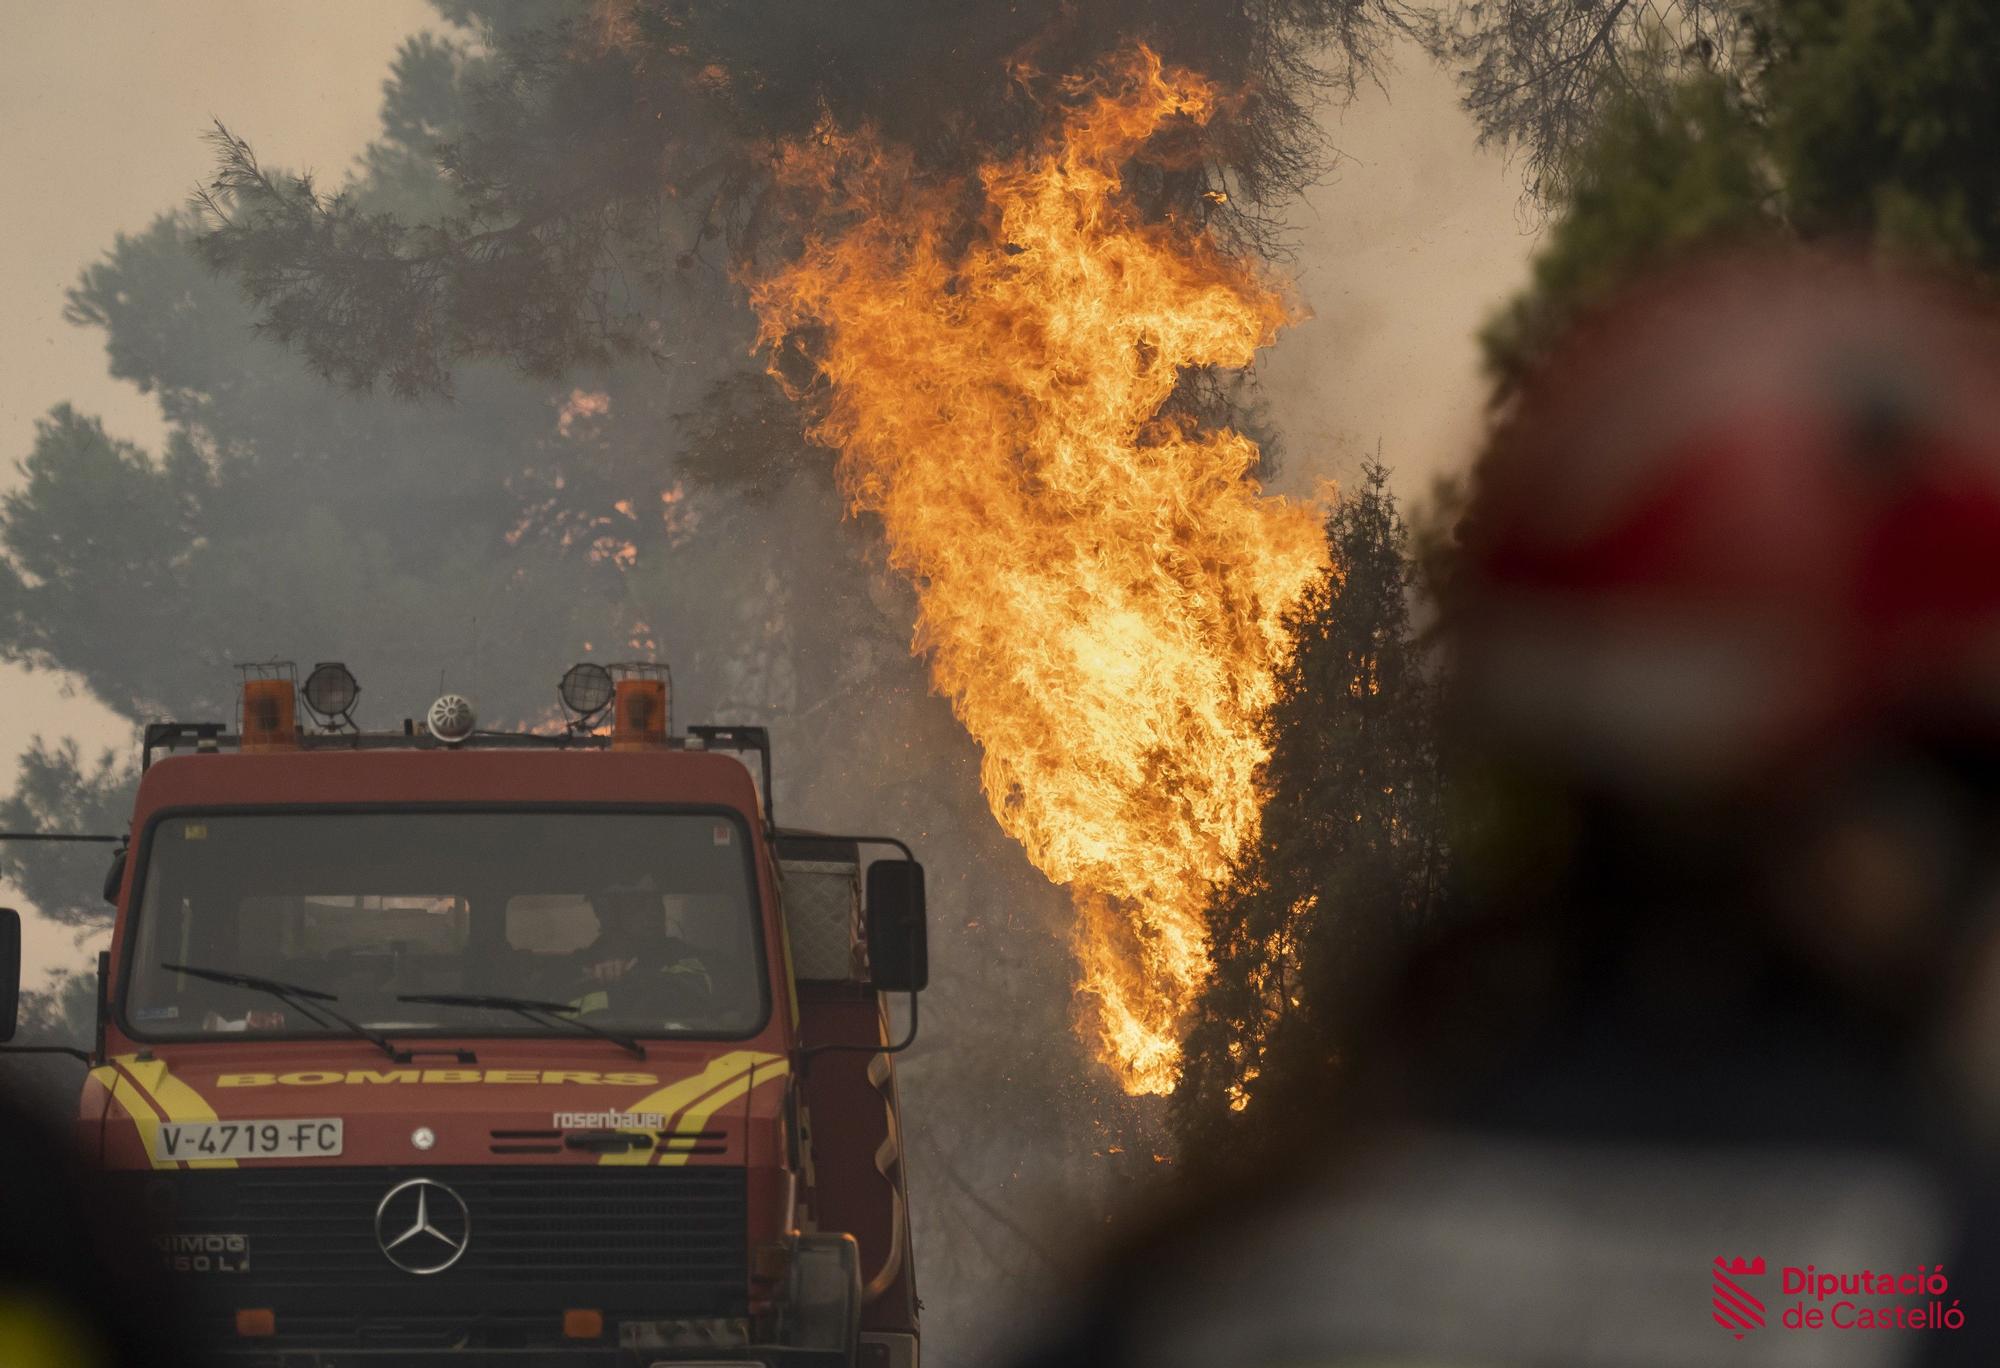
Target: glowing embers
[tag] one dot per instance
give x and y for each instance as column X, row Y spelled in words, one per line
column 1101, row 587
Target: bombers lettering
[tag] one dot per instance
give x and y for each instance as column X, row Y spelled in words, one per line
column 314, row 1078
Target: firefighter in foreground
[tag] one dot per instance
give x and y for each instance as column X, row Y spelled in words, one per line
column 1714, row 1048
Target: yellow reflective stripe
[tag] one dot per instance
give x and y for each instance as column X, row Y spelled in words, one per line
column 692, row 966
column 599, row 1000
column 697, row 1116
column 669, row 1100
column 127, row 1095
column 140, row 1113
column 176, row 1099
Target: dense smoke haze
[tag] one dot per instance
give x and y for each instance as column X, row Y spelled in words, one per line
column 488, row 539
column 105, row 105
column 1424, row 610
column 1400, row 253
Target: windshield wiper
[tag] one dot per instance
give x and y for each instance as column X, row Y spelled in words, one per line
column 531, row 1008
column 293, row 995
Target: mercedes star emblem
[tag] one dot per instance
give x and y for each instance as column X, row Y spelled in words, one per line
column 422, row 1226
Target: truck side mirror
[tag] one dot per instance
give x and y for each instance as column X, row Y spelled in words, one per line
column 10, row 972
column 114, row 878
column 898, row 947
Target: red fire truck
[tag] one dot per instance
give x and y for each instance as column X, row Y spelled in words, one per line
column 499, row 1046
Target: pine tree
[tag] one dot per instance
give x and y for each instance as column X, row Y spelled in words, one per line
column 1862, row 123
column 1348, row 861
column 1537, row 76
column 613, row 161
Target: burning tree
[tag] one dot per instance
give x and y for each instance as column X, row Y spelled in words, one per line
column 575, row 201
column 607, row 161
column 1100, row 588
column 1047, row 194
column 610, row 175
column 501, row 536
column 1001, row 259
column 1349, row 861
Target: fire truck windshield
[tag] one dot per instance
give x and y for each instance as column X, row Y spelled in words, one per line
column 643, row 923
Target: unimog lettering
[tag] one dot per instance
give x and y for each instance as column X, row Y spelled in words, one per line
column 204, row 1253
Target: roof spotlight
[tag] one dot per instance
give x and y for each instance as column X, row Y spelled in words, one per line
column 585, row 690
column 330, row 691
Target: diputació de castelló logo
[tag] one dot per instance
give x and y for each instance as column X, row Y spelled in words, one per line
column 1736, row 1309
column 1834, row 1301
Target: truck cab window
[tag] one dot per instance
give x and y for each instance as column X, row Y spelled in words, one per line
column 644, row 922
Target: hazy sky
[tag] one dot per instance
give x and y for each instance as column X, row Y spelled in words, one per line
column 102, row 107
column 103, row 103
column 1404, row 252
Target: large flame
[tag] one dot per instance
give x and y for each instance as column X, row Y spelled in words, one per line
column 1101, row 591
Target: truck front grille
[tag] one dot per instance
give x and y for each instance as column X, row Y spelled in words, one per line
column 664, row 1241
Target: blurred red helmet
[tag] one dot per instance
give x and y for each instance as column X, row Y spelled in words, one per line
column 1745, row 507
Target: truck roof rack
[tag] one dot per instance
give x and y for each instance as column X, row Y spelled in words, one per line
column 206, row 737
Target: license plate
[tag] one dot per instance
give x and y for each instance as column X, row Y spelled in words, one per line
column 317, row 1138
